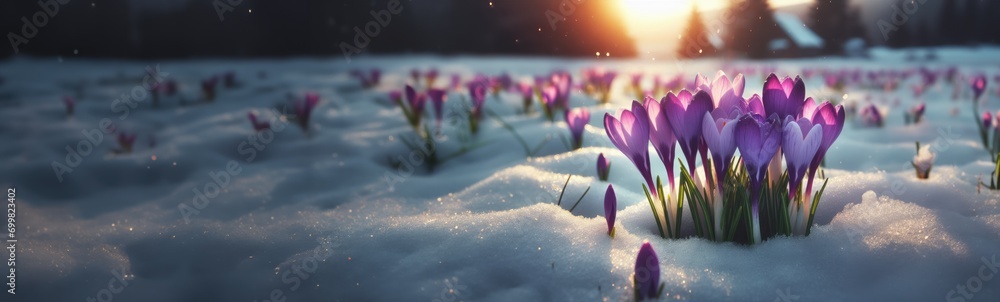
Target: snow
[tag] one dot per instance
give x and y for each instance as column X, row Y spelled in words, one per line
column 800, row 34
column 313, row 217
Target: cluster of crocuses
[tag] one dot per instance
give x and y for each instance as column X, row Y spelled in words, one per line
column 369, row 79
column 986, row 122
column 597, row 82
column 745, row 200
column 554, row 92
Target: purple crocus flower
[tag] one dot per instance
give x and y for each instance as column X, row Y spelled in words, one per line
column 303, row 109
column 563, row 82
column 416, row 101
column 603, row 167
column 610, row 208
column 257, row 124
column 979, row 85
column 367, row 81
column 784, row 98
column 456, row 81
column 229, row 79
column 125, row 142
column 550, row 97
column 437, row 97
column 647, row 273
column 576, row 120
column 415, row 75
column 755, row 105
column 70, row 103
column 636, row 79
column 630, row 133
column 661, row 134
column 208, row 87
column 170, row 87
column 527, row 94
column 477, row 92
column 604, row 85
column 431, row 76
column 718, row 136
column 916, row 113
column 870, row 116
column 831, row 118
column 396, row 96
column 801, row 140
column 684, row 112
column 721, row 86
column 758, row 141
column 375, row 77
column 504, row 82
column 987, row 120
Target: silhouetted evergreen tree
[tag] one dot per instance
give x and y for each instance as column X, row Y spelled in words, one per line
column 950, row 22
column 835, row 22
column 752, row 28
column 971, row 26
column 694, row 40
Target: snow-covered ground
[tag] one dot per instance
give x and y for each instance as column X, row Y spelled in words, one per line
column 338, row 214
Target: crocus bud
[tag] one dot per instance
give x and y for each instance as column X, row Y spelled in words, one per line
column 647, row 273
column 610, row 209
column 603, row 167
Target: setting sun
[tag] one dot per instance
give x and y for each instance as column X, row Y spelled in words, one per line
column 646, row 8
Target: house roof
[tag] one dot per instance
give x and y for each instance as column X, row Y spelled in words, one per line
column 801, row 35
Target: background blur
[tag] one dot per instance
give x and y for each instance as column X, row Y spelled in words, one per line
column 617, row 28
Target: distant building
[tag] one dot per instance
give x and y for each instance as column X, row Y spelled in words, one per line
column 795, row 39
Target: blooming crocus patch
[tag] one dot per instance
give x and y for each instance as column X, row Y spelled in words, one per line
column 747, row 197
column 598, row 82
column 413, row 108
